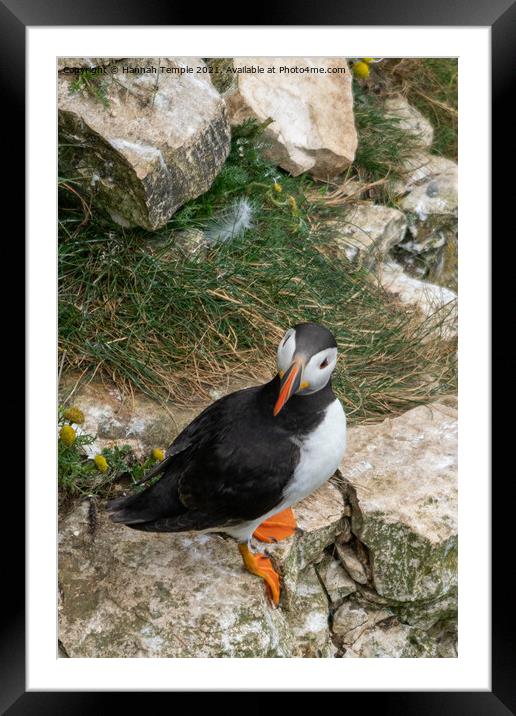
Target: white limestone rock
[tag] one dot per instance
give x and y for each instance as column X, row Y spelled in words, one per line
column 148, row 143
column 411, row 119
column 126, row 593
column 337, row 582
column 403, row 475
column 313, row 127
column 366, row 232
column 436, row 303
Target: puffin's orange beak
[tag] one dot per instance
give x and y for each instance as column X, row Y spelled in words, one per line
column 290, row 382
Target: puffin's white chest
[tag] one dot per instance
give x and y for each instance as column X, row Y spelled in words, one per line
column 321, row 453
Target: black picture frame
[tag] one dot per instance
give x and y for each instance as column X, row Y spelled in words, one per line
column 15, row 16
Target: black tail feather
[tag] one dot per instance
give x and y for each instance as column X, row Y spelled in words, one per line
column 156, row 470
column 159, row 500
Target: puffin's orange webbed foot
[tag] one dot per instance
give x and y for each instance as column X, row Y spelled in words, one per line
column 277, row 527
column 261, row 565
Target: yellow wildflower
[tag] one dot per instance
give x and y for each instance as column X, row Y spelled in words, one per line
column 74, row 415
column 361, row 69
column 292, row 202
column 101, row 463
column 158, row 454
column 277, row 187
column 67, row 434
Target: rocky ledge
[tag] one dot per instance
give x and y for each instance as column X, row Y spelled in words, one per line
column 128, row 593
column 371, row 571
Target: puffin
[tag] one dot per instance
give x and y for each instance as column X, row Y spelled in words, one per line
column 242, row 463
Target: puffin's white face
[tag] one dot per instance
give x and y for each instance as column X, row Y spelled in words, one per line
column 302, row 371
column 318, row 371
column 286, row 350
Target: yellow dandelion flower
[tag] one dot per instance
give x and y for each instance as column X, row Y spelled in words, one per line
column 158, row 454
column 74, row 415
column 292, row 202
column 277, row 187
column 67, row 434
column 361, row 69
column 101, row 463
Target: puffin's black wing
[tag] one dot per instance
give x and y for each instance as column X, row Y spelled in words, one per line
column 162, row 498
column 231, row 464
column 185, row 438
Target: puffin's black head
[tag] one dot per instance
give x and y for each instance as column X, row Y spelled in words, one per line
column 307, row 355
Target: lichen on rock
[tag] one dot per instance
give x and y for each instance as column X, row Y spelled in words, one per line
column 140, row 594
column 404, row 476
column 337, row 583
column 308, row 617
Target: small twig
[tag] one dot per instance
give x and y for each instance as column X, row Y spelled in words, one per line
column 438, row 103
column 75, row 386
column 92, row 517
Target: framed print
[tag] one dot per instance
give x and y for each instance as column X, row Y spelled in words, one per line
column 258, row 356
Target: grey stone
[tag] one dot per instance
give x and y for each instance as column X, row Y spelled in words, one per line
column 391, row 639
column 351, row 562
column 403, row 473
column 411, row 119
column 429, row 191
column 437, row 305
column 367, row 232
column 352, row 619
column 337, row 582
column 308, row 618
column 127, row 593
column 154, row 143
column 437, row 195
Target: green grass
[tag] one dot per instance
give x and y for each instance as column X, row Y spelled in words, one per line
column 431, row 85
column 78, row 475
column 134, row 308
column 93, row 83
column 383, row 145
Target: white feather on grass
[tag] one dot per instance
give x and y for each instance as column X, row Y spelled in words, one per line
column 230, row 223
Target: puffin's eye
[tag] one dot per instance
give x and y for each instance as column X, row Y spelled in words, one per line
column 286, row 339
column 324, row 363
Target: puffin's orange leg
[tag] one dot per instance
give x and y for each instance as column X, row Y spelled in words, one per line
column 260, row 565
column 277, row 527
